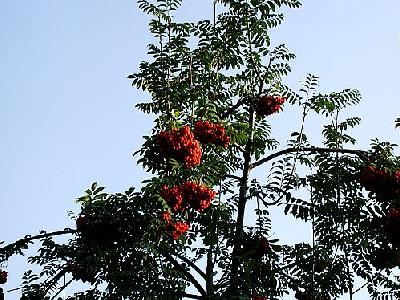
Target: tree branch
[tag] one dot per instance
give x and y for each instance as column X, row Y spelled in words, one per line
column 189, row 276
column 191, row 296
column 10, row 249
column 232, row 177
column 209, row 272
column 193, row 265
column 61, row 289
column 233, row 108
column 362, row 154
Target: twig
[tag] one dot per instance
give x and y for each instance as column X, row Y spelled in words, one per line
column 191, row 296
column 233, row 177
column 362, row 154
column 189, row 276
column 233, row 108
column 62, row 288
column 19, row 244
column 193, row 265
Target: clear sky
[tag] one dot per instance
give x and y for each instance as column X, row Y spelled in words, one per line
column 67, row 114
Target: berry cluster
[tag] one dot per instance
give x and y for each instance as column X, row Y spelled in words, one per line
column 381, row 182
column 181, row 145
column 3, row 277
column 82, row 222
column 307, row 296
column 192, row 194
column 182, row 197
column 211, row 133
column 255, row 247
column 198, row 196
column 268, row 105
column 385, row 258
column 104, row 231
column 176, row 229
column 258, row 297
column 262, row 248
column 174, row 198
column 392, row 226
column 78, row 272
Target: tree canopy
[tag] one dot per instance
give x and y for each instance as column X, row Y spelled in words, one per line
column 200, row 226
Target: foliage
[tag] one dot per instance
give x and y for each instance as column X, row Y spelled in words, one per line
column 202, row 222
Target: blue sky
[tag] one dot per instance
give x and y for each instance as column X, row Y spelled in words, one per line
column 67, row 114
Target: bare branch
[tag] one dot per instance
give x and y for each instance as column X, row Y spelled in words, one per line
column 233, row 177
column 13, row 248
column 233, row 108
column 187, row 274
column 193, row 265
column 362, row 154
column 210, row 272
column 62, row 288
column 191, row 296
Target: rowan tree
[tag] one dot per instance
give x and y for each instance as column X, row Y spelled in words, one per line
column 200, row 226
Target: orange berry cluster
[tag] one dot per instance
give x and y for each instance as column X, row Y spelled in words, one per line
column 381, row 182
column 262, row 248
column 192, row 194
column 386, row 186
column 268, row 105
column 388, row 257
column 3, row 277
column 258, row 297
column 392, row 226
column 308, row 296
column 255, row 247
column 176, row 229
column 182, row 197
column 385, row 258
column 211, row 133
column 181, row 145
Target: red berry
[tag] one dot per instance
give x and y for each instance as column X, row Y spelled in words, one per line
column 166, row 216
column 198, row 196
column 176, row 229
column 268, row 105
column 81, row 222
column 392, row 225
column 381, row 182
column 3, row 277
column 192, row 194
column 258, row 297
column 181, row 145
column 262, row 248
column 174, row 198
column 211, row 133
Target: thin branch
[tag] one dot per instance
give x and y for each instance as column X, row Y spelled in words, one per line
column 22, row 243
column 362, row 154
column 233, row 108
column 209, row 272
column 62, row 288
column 232, row 177
column 191, row 296
column 29, row 238
column 361, row 287
column 189, row 276
column 193, row 265
column 49, row 284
